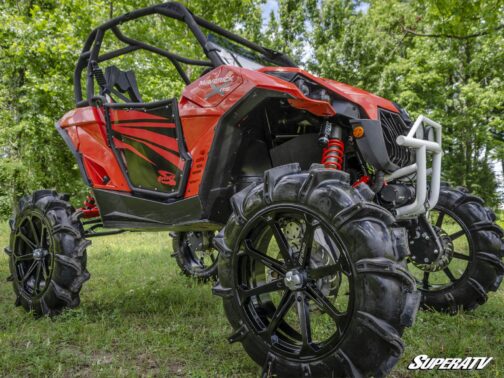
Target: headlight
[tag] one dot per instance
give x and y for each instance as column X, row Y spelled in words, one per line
column 316, row 92
column 312, row 90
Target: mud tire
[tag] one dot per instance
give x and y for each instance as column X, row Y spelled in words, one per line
column 485, row 270
column 386, row 297
column 66, row 249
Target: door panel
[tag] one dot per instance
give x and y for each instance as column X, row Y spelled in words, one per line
column 150, row 144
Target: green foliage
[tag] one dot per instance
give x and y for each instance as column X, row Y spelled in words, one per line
column 39, row 50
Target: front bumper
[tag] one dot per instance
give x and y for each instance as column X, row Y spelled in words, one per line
column 425, row 138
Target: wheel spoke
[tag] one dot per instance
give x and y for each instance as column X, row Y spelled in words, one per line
column 29, row 271
column 43, row 232
column 196, row 260
column 461, row 256
column 45, row 273
column 266, row 260
column 27, row 241
column 270, row 287
column 283, row 307
column 425, row 281
column 26, row 257
column 37, row 277
column 449, row 274
column 457, row 234
column 439, row 221
column 303, row 310
column 282, row 242
column 34, row 232
column 324, row 304
column 323, row 271
column 306, row 244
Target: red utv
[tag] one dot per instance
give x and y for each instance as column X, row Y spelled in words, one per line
column 317, row 196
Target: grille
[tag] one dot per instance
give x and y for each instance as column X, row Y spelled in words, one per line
column 393, row 126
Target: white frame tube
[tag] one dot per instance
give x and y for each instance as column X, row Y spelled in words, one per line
column 415, row 139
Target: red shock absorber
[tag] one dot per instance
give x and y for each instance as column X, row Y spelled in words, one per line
column 332, row 154
column 334, row 147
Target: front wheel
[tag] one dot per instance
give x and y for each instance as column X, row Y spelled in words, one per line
column 468, row 265
column 312, row 277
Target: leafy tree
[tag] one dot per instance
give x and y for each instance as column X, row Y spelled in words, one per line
column 39, row 49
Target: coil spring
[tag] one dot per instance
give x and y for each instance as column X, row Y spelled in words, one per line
column 332, row 154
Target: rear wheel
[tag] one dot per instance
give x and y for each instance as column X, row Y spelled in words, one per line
column 195, row 254
column 47, row 254
column 312, row 277
column 472, row 248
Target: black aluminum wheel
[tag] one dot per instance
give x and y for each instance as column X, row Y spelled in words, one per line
column 313, row 277
column 295, row 282
column 33, row 254
column 47, row 253
column 469, row 264
column 195, row 254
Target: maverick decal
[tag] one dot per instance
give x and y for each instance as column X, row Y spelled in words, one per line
column 215, row 86
column 219, row 85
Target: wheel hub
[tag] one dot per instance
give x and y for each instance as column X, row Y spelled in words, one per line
column 39, row 253
column 194, row 241
column 431, row 259
column 294, row 280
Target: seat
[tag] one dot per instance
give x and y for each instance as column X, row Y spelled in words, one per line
column 121, row 83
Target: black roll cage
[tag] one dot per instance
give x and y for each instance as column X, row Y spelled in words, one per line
column 89, row 56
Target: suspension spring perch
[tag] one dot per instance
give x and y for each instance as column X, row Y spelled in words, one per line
column 89, row 210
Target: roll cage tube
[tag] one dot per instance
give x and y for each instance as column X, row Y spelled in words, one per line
column 91, row 50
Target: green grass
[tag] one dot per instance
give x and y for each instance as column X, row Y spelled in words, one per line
column 139, row 316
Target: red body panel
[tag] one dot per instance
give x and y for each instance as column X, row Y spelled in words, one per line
column 86, row 128
column 368, row 101
column 201, row 106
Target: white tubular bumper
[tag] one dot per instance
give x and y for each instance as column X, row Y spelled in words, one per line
column 416, row 140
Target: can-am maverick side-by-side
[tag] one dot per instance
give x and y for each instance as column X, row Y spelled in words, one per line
column 320, row 204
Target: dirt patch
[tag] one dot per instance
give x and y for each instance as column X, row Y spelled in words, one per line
column 147, row 365
column 176, row 369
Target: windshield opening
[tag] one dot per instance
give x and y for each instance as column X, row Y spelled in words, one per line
column 235, row 55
